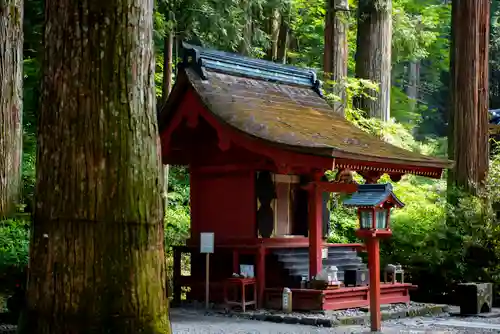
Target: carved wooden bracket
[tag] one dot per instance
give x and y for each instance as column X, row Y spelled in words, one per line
column 396, row 177
column 370, row 177
column 345, row 175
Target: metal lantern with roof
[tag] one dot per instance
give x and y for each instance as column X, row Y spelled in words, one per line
column 374, row 203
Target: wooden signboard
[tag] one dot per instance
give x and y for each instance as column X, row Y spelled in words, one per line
column 207, row 247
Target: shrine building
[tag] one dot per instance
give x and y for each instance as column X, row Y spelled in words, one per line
column 258, row 137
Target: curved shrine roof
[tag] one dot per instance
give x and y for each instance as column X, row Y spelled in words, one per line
column 283, row 106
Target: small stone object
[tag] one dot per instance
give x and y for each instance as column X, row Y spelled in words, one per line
column 393, row 271
column 356, row 277
column 287, row 300
column 475, row 298
column 332, row 275
column 303, row 282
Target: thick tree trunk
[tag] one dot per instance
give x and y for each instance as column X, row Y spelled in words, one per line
column 373, row 55
column 483, row 103
column 272, row 29
column 336, row 52
column 469, row 114
column 246, row 38
column 11, row 80
column 96, row 257
column 283, row 36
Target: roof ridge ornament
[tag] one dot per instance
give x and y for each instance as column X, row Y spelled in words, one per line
column 201, row 59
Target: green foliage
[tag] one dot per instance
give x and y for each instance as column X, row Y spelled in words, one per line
column 177, row 222
column 14, row 243
column 343, row 224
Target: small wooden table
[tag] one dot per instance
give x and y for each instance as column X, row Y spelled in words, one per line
column 233, row 284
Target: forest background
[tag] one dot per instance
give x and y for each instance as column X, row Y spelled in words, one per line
column 436, row 251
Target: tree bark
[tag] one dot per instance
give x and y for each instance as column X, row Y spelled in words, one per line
column 373, row 55
column 246, row 38
column 97, row 257
column 283, row 35
column 336, row 52
column 272, row 29
column 469, row 114
column 11, row 85
column 168, row 45
column 413, row 83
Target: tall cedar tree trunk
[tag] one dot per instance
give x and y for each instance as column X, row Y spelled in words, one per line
column 373, row 55
column 11, row 80
column 413, row 83
column 96, row 258
column 469, row 115
column 272, row 29
column 336, row 52
column 246, row 38
column 283, row 35
column 168, row 46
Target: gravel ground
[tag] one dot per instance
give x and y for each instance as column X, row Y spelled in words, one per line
column 192, row 321
column 195, row 322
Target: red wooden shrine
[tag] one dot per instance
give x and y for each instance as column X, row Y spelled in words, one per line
column 258, row 138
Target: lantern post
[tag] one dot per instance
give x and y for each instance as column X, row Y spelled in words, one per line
column 374, row 203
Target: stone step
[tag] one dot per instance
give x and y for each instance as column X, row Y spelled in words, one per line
column 330, row 260
column 305, row 266
column 295, row 261
column 300, row 256
column 302, row 251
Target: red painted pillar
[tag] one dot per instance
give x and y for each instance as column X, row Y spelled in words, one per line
column 261, row 275
column 372, row 245
column 315, row 231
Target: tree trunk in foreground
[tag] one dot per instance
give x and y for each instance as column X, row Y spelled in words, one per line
column 11, row 81
column 336, row 52
column 469, row 107
column 96, row 257
column 373, row 55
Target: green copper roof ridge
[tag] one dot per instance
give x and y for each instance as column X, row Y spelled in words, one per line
column 201, row 59
column 383, row 190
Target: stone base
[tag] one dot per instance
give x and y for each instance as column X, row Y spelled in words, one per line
column 475, row 298
column 341, row 318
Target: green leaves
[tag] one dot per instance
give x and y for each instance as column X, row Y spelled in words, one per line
column 14, row 243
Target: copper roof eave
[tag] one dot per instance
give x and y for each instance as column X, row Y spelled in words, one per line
column 396, row 165
column 355, row 161
column 393, row 165
column 339, row 154
column 333, row 153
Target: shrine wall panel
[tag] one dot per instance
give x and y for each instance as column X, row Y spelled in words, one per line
column 224, row 204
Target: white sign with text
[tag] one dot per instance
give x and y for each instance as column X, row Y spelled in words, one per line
column 206, row 242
